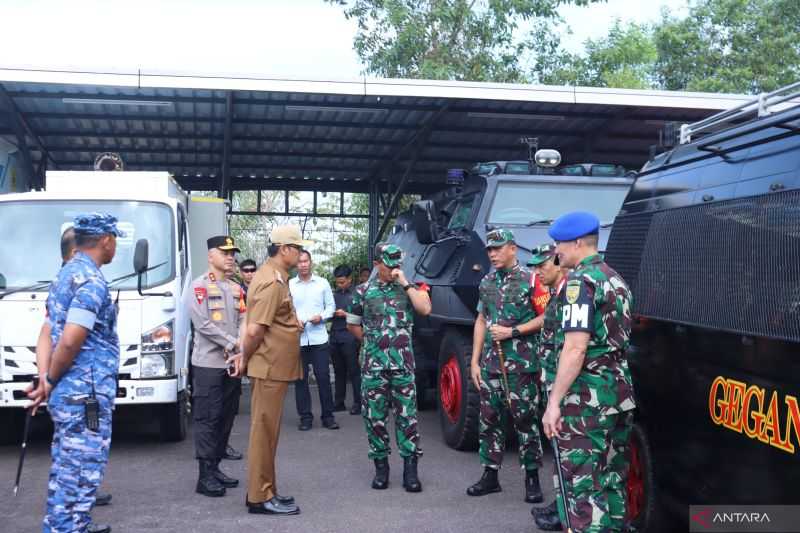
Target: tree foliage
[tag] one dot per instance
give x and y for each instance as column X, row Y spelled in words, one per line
column 445, row 39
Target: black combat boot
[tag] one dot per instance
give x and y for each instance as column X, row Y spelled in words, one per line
column 410, row 478
column 546, row 518
column 207, row 484
column 225, row 480
column 381, row 479
column 487, row 484
column 533, row 492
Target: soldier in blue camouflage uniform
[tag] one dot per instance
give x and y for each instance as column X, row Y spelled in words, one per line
column 507, row 374
column 591, row 403
column 549, row 272
column 381, row 315
column 84, row 364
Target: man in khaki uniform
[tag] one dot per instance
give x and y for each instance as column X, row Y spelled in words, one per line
column 271, row 357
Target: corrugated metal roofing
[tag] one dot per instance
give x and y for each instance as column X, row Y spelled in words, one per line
column 329, row 135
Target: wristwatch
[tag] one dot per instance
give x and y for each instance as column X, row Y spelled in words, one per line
column 515, row 332
column 49, row 380
column 409, row 286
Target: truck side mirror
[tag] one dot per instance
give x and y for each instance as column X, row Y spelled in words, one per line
column 424, row 221
column 140, row 256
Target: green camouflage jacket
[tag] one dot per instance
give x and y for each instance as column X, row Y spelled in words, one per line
column 597, row 300
column 386, row 315
column 547, row 336
column 505, row 300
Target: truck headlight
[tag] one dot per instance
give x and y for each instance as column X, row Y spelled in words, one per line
column 157, row 351
column 158, row 339
column 156, row 365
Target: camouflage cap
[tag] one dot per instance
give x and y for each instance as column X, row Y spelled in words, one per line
column 390, row 255
column 542, row 254
column 499, row 237
column 97, row 224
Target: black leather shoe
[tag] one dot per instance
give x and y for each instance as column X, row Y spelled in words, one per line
column 330, row 424
column 102, row 498
column 99, row 528
column 486, row 485
column 225, row 480
column 381, row 479
column 272, row 507
column 231, row 454
column 304, row 426
column 550, row 508
column 355, row 410
column 339, row 407
column 284, row 500
column 207, row 484
column 410, row 478
column 533, row 491
column 548, row 520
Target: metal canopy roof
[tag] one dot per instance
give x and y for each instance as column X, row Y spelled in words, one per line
column 324, row 135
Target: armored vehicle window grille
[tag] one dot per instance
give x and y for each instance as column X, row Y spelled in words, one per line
column 732, row 265
column 625, row 245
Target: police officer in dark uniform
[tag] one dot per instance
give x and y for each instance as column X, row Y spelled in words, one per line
column 217, row 309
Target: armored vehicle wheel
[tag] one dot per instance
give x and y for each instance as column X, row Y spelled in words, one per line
column 175, row 418
column 458, row 398
column 640, row 488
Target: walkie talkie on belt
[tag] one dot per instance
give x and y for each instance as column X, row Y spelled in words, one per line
column 92, row 408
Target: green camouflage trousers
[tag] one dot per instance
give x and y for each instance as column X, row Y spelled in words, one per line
column 380, row 390
column 594, row 463
column 494, row 412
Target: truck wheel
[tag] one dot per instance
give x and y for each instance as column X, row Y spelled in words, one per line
column 175, row 418
column 458, row 399
column 640, row 488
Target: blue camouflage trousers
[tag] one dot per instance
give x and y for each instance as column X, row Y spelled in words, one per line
column 79, row 458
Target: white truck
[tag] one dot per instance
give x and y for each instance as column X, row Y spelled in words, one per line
column 154, row 327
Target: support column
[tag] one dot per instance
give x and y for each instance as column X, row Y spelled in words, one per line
column 374, row 215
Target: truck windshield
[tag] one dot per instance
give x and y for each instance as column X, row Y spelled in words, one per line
column 30, row 249
column 523, row 203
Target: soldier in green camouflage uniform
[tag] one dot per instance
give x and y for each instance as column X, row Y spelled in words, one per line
column 591, row 403
column 553, row 276
column 505, row 329
column 381, row 316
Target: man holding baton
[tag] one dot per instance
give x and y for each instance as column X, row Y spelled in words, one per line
column 590, row 407
column 506, row 375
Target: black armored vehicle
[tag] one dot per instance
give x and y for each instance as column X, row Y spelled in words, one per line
column 444, row 240
column 709, row 241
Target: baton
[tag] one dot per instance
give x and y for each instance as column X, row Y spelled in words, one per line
column 498, row 347
column 557, row 457
column 25, row 439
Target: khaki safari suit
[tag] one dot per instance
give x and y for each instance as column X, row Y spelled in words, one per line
column 274, row 364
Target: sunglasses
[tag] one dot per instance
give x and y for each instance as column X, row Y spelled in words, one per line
column 394, row 256
column 495, row 236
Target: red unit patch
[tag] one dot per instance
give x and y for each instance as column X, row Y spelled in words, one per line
column 200, row 294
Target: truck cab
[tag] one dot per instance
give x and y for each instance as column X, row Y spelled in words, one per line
column 153, row 326
column 444, row 238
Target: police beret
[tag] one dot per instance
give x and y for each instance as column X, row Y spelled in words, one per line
column 573, row 225
column 97, row 224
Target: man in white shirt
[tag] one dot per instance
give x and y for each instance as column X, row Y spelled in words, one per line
column 313, row 300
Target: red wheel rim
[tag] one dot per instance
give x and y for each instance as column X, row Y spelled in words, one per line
column 635, row 485
column 450, row 389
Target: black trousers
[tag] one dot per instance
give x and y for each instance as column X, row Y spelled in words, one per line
column 216, row 398
column 344, row 356
column 318, row 357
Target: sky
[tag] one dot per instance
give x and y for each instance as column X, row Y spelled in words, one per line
column 296, row 39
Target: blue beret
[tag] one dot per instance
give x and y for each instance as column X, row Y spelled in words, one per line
column 97, row 224
column 573, row 225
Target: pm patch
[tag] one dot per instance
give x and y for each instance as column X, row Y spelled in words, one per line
column 573, row 291
column 200, row 294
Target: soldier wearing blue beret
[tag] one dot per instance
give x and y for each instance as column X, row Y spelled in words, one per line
column 81, row 380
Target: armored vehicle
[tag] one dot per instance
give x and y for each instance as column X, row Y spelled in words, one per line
column 444, row 240
column 708, row 240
